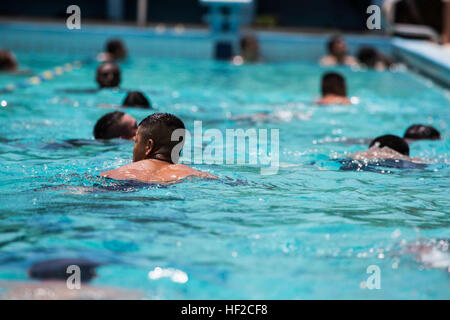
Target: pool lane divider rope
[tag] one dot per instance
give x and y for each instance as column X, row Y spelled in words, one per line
column 46, row 75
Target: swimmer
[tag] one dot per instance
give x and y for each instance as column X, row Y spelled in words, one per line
column 370, row 58
column 115, row 50
column 155, row 154
column 8, row 61
column 421, row 132
column 385, row 147
column 108, row 75
column 337, row 53
column 53, row 282
column 249, row 46
column 56, row 269
column 384, row 152
column 9, row 64
column 136, row 99
column 116, row 125
column 334, row 90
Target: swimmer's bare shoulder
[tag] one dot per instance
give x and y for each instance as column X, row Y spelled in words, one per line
column 333, row 100
column 382, row 153
column 328, row 60
column 153, row 171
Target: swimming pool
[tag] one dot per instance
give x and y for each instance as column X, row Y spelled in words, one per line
column 308, row 232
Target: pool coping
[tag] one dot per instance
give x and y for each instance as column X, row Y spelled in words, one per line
column 429, row 59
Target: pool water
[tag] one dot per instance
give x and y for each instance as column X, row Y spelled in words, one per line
column 308, row 232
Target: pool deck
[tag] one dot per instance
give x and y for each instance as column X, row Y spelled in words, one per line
column 428, row 58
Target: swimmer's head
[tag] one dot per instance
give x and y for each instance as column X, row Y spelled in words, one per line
column 393, row 142
column 56, row 269
column 108, row 75
column 368, row 56
column 337, row 47
column 116, row 125
column 116, row 49
column 136, row 99
column 422, row 132
column 249, row 48
column 8, row 61
column 154, row 138
column 334, row 83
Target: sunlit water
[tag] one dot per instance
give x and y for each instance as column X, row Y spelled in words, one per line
column 309, row 231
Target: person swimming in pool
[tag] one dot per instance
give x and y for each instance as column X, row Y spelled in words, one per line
column 385, row 147
column 136, row 99
column 155, row 153
column 8, row 62
column 384, row 152
column 51, row 279
column 108, row 75
column 337, row 53
column 249, row 50
column 421, row 132
column 115, row 124
column 334, row 89
column 371, row 58
column 115, row 50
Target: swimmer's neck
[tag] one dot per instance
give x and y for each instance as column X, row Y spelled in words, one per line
column 332, row 96
column 333, row 99
column 159, row 158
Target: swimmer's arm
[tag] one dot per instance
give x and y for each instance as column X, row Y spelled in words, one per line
column 207, row 175
column 202, row 174
column 112, row 174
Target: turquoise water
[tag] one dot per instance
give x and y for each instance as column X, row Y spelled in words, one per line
column 308, row 232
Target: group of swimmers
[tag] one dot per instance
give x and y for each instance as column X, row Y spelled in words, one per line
column 334, row 91
column 154, row 151
column 155, row 154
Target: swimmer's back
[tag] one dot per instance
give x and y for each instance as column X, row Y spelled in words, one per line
column 154, row 171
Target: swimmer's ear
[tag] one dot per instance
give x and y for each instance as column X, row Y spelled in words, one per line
column 149, row 147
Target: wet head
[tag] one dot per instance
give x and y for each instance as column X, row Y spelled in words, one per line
column 8, row 61
column 136, row 99
column 421, row 132
column 393, row 142
column 108, row 75
column 368, row 56
column 116, row 125
column 116, row 49
column 249, row 48
column 334, row 83
column 337, row 47
column 154, row 138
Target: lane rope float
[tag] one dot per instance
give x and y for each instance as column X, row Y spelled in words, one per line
column 46, row 75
